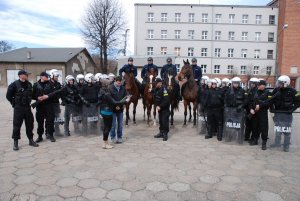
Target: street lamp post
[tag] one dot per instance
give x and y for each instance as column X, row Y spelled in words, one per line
column 125, row 43
column 285, row 26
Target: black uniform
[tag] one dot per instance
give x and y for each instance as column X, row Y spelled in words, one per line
column 285, row 101
column 19, row 94
column 162, row 100
column 56, row 105
column 213, row 104
column 44, row 110
column 248, row 121
column 203, row 89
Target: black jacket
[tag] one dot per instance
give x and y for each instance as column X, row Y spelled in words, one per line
column 214, row 99
column 236, row 97
column 162, row 99
column 260, row 98
column 105, row 100
column 285, row 99
column 90, row 92
column 70, row 95
column 19, row 93
column 42, row 88
column 56, row 86
column 118, row 96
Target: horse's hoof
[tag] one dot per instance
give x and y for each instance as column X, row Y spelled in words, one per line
column 134, row 122
column 126, row 126
column 194, row 126
column 172, row 126
column 184, row 126
column 190, row 120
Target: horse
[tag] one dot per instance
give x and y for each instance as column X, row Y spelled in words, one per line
column 169, row 83
column 149, row 99
column 190, row 92
column 132, row 88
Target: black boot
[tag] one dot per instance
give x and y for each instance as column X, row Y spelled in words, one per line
column 39, row 139
column 16, row 145
column 264, row 145
column 33, row 143
column 51, row 138
column 254, row 142
column 165, row 136
column 159, row 135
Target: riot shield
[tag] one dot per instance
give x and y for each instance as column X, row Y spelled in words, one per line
column 202, row 121
column 234, row 125
column 59, row 118
column 77, row 117
column 282, row 126
column 90, row 117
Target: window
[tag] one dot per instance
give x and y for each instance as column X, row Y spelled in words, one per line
column 231, row 18
column 257, row 36
column 203, row 52
column 163, row 34
column 230, row 52
column 163, row 50
column 177, row 51
column 204, row 17
column 177, row 67
column 150, row 17
column 256, row 54
column 191, row 17
column 164, row 17
column 150, row 34
column 244, row 53
column 271, row 19
column 190, row 51
column 204, row 35
column 218, row 35
column 271, row 37
column 217, row 52
column 270, row 54
column 231, row 35
column 216, row 69
column 258, row 19
column 177, row 17
column 230, row 69
column 245, row 19
column 149, row 50
column 243, row 70
column 269, row 70
column 204, row 68
column 244, row 35
column 177, row 34
column 218, row 18
column 191, row 34
column 255, row 70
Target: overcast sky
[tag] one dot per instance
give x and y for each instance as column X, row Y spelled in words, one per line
column 56, row 23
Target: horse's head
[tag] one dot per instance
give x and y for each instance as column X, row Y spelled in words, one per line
column 186, row 71
column 151, row 78
column 169, row 79
column 129, row 80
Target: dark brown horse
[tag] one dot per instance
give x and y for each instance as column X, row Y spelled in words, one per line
column 148, row 99
column 132, row 88
column 190, row 91
column 169, row 83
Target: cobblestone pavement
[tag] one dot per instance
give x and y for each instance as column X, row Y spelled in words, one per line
column 187, row 167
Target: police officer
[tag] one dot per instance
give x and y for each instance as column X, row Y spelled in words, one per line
column 170, row 68
column 162, row 101
column 253, row 82
column 285, row 101
column 79, row 82
column 145, row 70
column 201, row 99
column 44, row 111
column 19, row 94
column 259, row 106
column 130, row 68
column 213, row 104
column 54, row 75
column 97, row 78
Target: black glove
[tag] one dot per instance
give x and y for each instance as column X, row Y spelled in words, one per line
column 63, row 103
column 239, row 108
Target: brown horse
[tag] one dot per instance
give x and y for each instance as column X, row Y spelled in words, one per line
column 190, row 92
column 148, row 99
column 132, row 88
column 169, row 83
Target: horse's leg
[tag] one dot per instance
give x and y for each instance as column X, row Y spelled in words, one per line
column 127, row 114
column 134, row 111
column 185, row 112
column 149, row 113
column 172, row 115
column 144, row 105
column 154, row 115
column 190, row 109
column 195, row 111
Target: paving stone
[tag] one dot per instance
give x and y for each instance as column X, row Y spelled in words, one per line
column 94, row 193
column 51, row 198
column 25, row 197
column 119, row 194
column 134, row 185
column 225, row 187
column 111, row 184
column 66, row 182
column 179, row 187
column 210, row 179
column 156, row 187
column 47, row 190
column 24, row 189
column 68, row 192
column 231, row 179
column 89, row 183
column 25, row 179
column 268, row 196
column 273, row 173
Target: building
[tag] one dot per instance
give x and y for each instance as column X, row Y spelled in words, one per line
column 289, row 39
column 35, row 60
column 227, row 40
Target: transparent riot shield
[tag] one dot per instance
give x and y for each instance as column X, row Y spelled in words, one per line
column 202, row 121
column 59, row 118
column 282, row 127
column 234, row 125
column 90, row 118
column 77, row 117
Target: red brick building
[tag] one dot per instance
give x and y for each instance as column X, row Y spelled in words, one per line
column 289, row 39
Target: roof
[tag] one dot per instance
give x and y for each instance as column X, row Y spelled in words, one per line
column 41, row 55
column 202, row 5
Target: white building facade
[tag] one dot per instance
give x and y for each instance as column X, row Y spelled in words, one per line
column 226, row 40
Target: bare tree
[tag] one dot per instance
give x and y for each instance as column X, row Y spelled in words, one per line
column 112, row 64
column 5, row 46
column 102, row 24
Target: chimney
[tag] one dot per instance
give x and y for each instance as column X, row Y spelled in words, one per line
column 28, row 55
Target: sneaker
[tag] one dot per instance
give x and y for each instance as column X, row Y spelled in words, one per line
column 119, row 141
column 106, row 145
column 113, row 140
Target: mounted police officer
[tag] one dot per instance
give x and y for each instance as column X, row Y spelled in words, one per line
column 170, row 68
column 19, row 94
column 162, row 101
column 147, row 68
column 44, row 110
column 132, row 69
column 285, row 101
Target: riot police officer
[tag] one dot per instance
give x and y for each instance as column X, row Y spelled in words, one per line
column 19, row 94
column 130, row 68
column 285, row 101
column 213, row 104
column 44, row 110
column 201, row 98
column 97, row 78
column 259, row 106
column 162, row 101
column 79, row 82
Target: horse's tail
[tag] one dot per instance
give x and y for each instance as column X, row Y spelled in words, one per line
column 176, row 105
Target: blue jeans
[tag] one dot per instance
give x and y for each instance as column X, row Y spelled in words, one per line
column 117, row 117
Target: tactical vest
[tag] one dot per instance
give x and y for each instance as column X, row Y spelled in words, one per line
column 23, row 95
